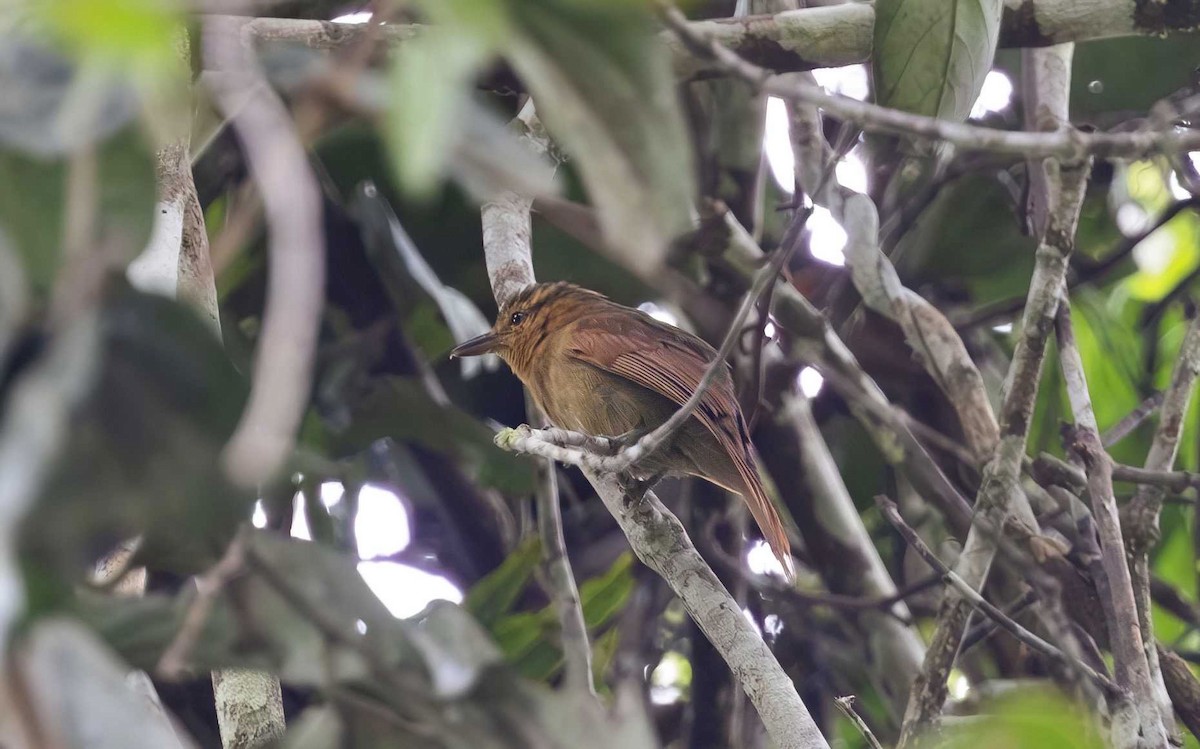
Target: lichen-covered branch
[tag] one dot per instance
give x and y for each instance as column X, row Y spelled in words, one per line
column 826, row 36
column 1147, row 502
column 1137, row 722
column 1000, row 486
column 1065, row 144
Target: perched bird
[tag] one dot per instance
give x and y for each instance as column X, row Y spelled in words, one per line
column 598, row 367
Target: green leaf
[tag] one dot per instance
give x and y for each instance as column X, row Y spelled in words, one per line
column 83, row 693
column 1103, row 81
column 33, row 203
column 931, row 56
column 530, row 640
column 495, row 594
column 144, row 445
column 400, row 408
column 430, row 91
column 138, row 34
column 603, row 85
column 1032, row 718
column 603, row 597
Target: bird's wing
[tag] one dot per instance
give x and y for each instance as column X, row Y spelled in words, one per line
column 672, row 363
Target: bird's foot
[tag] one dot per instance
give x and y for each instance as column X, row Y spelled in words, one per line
column 631, row 437
column 510, row 439
column 635, row 488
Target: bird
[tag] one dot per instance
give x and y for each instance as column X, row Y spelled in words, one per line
column 601, row 368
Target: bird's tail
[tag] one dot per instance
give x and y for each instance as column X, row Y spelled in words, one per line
column 767, row 517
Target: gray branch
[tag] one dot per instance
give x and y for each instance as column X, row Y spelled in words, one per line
column 1000, row 489
column 295, row 286
column 1137, row 721
column 832, row 35
column 1147, row 502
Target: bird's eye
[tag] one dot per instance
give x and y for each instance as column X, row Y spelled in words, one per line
column 516, row 318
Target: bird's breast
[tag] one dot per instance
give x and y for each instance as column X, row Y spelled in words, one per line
column 581, row 397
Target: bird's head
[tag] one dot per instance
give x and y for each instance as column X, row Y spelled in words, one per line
column 526, row 322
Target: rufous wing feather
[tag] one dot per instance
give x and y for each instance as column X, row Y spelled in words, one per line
column 636, row 347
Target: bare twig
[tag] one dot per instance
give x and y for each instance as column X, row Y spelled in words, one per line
column 1137, row 722
column 209, row 586
column 1131, row 421
column 892, row 513
column 1147, row 502
column 577, row 652
column 1066, row 144
column 296, row 284
column 846, row 705
column 1000, row 482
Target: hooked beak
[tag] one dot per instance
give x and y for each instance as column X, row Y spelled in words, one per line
column 482, row 344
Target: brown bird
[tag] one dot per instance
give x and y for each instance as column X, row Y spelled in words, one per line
column 601, row 368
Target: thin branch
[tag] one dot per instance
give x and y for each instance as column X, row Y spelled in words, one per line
column 1139, row 722
column 1048, row 83
column 1131, row 420
column 846, row 705
column 577, row 652
column 822, row 36
column 892, row 514
column 1066, row 144
column 1146, row 506
column 209, row 586
column 296, row 284
column 1058, row 471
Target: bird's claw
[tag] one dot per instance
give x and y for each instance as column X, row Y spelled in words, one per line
column 635, row 489
column 506, row 439
column 631, row 437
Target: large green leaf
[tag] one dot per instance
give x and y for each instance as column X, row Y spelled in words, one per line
column 143, row 452
column 931, row 56
column 495, row 594
column 1031, row 718
column 400, row 408
column 83, row 694
column 529, row 639
column 603, row 84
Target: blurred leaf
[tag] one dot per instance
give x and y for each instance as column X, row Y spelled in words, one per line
column 143, row 453
column 399, row 408
column 1111, row 349
column 296, row 584
column 1030, row 719
column 604, row 652
column 318, row 728
column 406, row 275
column 1174, row 562
column 604, row 596
column 995, row 264
column 431, row 76
column 1103, row 81
column 530, row 640
column 603, row 85
column 33, row 209
column 50, row 106
column 931, row 56
column 139, row 34
column 495, row 594
column 141, row 628
column 83, row 695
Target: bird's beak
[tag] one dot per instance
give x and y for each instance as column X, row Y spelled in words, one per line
column 482, row 344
